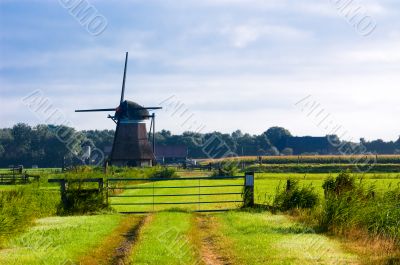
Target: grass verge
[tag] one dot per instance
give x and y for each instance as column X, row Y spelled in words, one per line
column 263, row 238
column 55, row 240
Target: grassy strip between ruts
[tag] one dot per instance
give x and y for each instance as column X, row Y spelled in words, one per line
column 166, row 241
column 55, row 240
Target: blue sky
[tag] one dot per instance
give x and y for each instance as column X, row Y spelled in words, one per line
column 234, row 64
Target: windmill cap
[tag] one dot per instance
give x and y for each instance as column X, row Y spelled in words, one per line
column 133, row 110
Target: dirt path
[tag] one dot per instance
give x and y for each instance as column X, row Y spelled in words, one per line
column 206, row 237
column 116, row 248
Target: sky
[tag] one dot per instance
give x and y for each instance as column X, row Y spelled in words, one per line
column 213, row 65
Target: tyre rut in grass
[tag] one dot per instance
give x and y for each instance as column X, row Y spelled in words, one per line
column 208, row 240
column 116, row 248
column 121, row 254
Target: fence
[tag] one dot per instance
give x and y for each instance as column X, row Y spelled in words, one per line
column 11, row 179
column 198, row 194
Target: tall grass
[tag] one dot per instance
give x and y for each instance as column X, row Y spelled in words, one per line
column 225, row 170
column 354, row 206
column 18, row 208
column 118, row 172
column 295, row 197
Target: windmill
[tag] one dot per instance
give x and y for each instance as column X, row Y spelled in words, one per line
column 131, row 146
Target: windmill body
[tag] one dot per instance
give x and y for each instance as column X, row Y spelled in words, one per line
column 131, row 145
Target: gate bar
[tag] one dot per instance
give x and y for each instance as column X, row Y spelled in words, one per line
column 160, row 179
column 175, row 195
column 174, row 187
column 162, row 203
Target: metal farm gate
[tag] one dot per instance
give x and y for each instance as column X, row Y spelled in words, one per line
column 198, row 194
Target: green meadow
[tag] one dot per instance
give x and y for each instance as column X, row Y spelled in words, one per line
column 175, row 234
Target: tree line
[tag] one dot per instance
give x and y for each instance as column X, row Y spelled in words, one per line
column 53, row 146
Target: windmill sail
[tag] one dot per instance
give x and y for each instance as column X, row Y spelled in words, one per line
column 94, row 110
column 123, row 81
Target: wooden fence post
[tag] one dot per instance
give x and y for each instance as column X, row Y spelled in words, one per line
column 248, row 199
column 63, row 189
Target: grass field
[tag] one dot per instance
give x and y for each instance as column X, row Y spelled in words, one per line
column 266, row 183
column 265, row 189
column 175, row 236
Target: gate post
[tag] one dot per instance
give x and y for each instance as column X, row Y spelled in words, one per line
column 63, row 188
column 248, row 199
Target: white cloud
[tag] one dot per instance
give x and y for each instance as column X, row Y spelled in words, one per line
column 245, row 34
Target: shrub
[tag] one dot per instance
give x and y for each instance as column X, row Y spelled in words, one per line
column 294, row 197
column 164, row 173
column 225, row 170
column 344, row 182
column 82, row 201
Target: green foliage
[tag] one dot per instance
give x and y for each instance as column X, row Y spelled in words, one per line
column 344, row 182
column 164, row 173
column 350, row 206
column 277, row 136
column 294, row 197
column 228, row 169
column 83, row 201
column 48, row 145
column 18, row 208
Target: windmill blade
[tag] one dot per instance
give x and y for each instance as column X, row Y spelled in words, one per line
column 94, row 110
column 123, row 81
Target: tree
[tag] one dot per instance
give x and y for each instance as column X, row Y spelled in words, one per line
column 287, row 151
column 237, row 134
column 273, row 151
column 277, row 136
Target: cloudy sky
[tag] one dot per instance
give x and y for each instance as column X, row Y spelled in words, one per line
column 212, row 64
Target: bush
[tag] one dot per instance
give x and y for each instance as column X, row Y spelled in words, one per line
column 81, row 201
column 344, row 182
column 225, row 170
column 294, row 197
column 164, row 173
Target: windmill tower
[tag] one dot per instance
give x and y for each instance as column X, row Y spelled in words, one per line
column 131, row 145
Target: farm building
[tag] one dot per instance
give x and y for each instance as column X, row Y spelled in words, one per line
column 171, row 153
column 310, row 144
